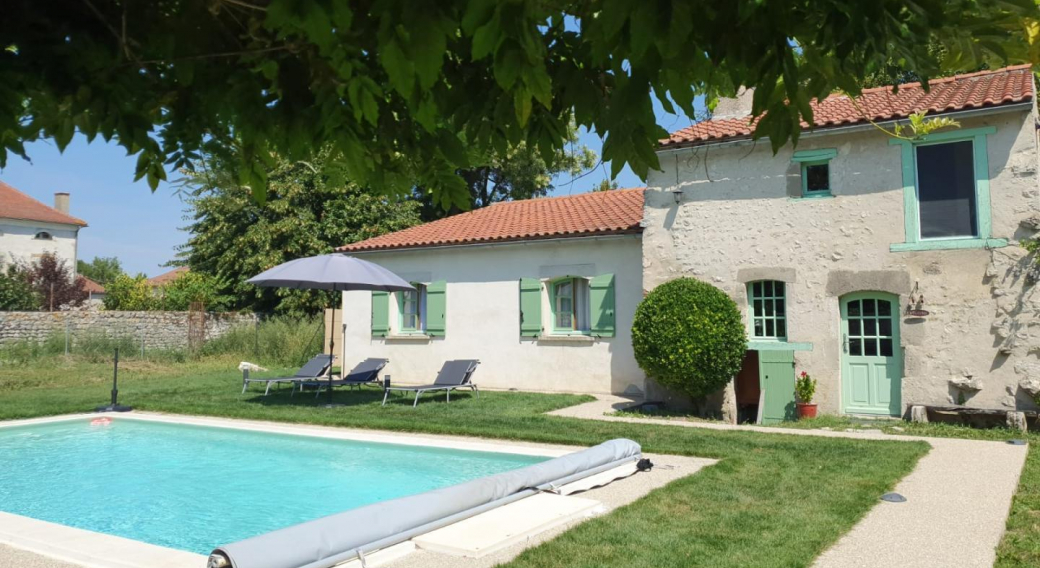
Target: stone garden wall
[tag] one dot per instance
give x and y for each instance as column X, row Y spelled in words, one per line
column 160, row 330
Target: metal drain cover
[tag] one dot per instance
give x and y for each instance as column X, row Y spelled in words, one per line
column 1017, row 442
column 893, row 498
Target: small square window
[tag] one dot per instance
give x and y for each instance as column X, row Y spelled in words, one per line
column 817, row 178
column 815, row 171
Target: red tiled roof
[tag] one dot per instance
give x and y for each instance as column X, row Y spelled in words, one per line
column 92, row 287
column 167, row 277
column 612, row 212
column 983, row 89
column 17, row 205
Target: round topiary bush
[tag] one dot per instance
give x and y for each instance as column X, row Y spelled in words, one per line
column 688, row 336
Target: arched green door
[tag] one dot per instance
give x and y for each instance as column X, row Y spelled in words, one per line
column 872, row 360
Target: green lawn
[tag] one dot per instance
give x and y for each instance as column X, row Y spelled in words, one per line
column 772, row 500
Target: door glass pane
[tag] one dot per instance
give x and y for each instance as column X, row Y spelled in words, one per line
column 868, row 307
column 884, row 308
column 946, row 190
column 854, row 327
column 886, row 347
column 869, row 327
column 885, row 327
column 855, row 346
column 854, row 308
column 870, row 347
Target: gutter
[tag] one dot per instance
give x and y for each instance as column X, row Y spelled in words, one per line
column 635, row 233
column 829, row 130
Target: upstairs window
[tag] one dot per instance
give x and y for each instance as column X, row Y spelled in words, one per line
column 815, row 171
column 947, row 204
column 43, row 236
column 768, row 309
column 570, row 305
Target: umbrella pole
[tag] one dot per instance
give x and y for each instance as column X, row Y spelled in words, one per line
column 332, row 351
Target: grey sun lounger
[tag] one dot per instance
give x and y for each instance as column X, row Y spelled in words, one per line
column 316, row 367
column 365, row 373
column 453, row 375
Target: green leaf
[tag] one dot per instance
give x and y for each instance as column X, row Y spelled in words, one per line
column 398, row 67
column 522, row 104
column 486, row 39
column 63, row 134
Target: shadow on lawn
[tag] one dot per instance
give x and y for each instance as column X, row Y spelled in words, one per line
column 365, row 396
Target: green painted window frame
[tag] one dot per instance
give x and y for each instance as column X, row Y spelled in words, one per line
column 822, row 157
column 420, row 305
column 574, row 306
column 911, row 212
column 763, row 297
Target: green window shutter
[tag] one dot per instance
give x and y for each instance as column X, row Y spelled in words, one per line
column 601, row 305
column 436, row 308
column 530, row 307
column 380, row 313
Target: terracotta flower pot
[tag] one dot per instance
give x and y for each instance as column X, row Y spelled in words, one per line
column 806, row 410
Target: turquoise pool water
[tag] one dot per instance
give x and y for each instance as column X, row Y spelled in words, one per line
column 193, row 488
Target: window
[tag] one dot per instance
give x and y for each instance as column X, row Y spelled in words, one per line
column 946, row 191
column 411, row 306
column 43, row 236
column 570, row 305
column 815, row 171
column 947, row 205
column 768, row 308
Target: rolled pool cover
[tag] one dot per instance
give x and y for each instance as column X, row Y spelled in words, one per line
column 312, row 542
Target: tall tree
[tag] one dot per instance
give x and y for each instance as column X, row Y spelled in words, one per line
column 102, row 270
column 408, row 93
column 521, row 174
column 310, row 211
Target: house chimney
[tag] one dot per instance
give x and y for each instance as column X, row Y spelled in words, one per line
column 61, row 202
column 738, row 107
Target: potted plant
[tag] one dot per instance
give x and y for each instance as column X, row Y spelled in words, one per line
column 804, row 389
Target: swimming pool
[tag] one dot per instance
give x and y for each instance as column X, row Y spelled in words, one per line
column 193, row 487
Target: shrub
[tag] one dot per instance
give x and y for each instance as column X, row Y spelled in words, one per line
column 190, row 287
column 276, row 341
column 688, row 336
column 16, row 293
column 55, row 284
column 129, row 293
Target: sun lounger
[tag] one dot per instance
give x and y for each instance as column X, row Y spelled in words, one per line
column 453, row 375
column 366, row 372
column 316, row 367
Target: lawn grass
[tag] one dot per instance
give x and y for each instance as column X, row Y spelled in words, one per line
column 772, row 500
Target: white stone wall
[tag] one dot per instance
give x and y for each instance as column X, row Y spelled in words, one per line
column 483, row 317
column 160, row 330
column 736, row 223
column 18, row 242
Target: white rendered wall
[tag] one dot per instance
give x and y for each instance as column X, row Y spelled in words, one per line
column 483, row 317
column 18, row 242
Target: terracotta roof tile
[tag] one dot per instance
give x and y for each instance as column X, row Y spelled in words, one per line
column 167, row 277
column 983, row 89
column 91, row 286
column 598, row 213
column 17, row 205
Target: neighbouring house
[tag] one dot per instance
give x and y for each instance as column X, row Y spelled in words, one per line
column 29, row 229
column 541, row 291
column 887, row 268
column 96, row 291
column 165, row 278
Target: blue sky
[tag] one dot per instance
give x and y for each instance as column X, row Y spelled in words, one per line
column 143, row 229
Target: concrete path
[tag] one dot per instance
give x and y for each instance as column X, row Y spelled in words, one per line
column 958, row 498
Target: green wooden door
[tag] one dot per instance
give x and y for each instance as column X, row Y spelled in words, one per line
column 872, row 361
column 776, row 378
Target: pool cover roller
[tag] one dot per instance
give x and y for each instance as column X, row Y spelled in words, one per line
column 351, row 534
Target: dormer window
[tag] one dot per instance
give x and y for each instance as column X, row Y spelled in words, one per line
column 43, row 236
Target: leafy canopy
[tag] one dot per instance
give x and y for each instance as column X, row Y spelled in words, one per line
column 688, row 336
column 310, row 211
column 101, row 270
column 16, row 292
column 408, row 93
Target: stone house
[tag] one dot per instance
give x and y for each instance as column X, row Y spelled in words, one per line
column 541, row 291
column 29, row 229
column 890, row 269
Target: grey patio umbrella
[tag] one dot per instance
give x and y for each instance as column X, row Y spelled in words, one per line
column 335, row 272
